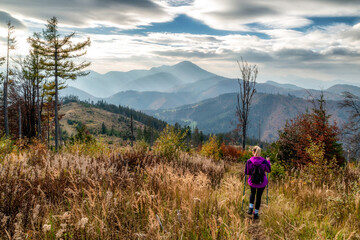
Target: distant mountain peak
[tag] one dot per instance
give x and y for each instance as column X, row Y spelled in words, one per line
column 284, row 85
column 186, row 63
column 182, row 64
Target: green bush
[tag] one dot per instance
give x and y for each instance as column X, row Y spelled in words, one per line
column 82, row 135
column 6, row 147
column 141, row 146
column 246, row 155
column 170, row 143
column 272, row 153
column 320, row 168
column 277, row 171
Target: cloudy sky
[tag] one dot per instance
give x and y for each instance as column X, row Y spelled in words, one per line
column 289, row 40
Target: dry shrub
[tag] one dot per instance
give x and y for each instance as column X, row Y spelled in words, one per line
column 199, row 164
column 230, row 153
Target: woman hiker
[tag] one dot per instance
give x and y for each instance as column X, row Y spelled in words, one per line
column 256, row 167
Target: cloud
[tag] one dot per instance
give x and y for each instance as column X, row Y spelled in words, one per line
column 342, row 51
column 124, row 14
column 298, row 54
column 237, row 14
column 253, row 55
column 246, row 11
column 353, row 33
column 6, row 17
column 294, row 43
column 288, row 50
column 186, row 54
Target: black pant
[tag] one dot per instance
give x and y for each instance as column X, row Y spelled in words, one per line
column 258, row 192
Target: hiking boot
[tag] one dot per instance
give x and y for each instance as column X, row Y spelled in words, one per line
column 256, row 216
column 250, row 211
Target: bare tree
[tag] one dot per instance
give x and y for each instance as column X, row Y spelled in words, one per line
column 11, row 42
column 351, row 130
column 244, row 97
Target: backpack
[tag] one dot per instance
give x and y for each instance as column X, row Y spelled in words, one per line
column 257, row 174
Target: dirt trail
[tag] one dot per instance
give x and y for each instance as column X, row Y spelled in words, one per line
column 255, row 229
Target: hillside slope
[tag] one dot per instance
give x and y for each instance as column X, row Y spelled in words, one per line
column 268, row 111
column 93, row 118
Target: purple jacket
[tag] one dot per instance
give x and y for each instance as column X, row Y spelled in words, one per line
column 264, row 164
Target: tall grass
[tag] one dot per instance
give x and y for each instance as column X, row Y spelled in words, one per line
column 121, row 193
column 93, row 191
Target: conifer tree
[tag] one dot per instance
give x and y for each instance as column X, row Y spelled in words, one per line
column 58, row 54
column 37, row 70
column 103, row 128
column 11, row 42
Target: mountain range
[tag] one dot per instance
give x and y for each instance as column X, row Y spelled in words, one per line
column 268, row 114
column 164, row 78
column 187, row 94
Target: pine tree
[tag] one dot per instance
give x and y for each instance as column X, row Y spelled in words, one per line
column 58, row 53
column 37, row 69
column 103, row 128
column 11, row 42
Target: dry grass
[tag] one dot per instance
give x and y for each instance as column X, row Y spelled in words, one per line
column 98, row 192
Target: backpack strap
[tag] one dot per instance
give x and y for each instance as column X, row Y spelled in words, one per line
column 267, row 164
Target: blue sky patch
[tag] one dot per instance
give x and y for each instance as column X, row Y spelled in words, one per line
column 185, row 24
column 327, row 21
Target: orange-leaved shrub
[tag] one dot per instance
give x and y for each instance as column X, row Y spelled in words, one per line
column 231, row 153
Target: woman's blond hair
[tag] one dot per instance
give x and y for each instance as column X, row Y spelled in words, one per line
column 257, row 151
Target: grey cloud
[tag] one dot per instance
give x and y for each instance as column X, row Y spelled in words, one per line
column 298, row 54
column 236, row 14
column 186, row 54
column 79, row 13
column 6, row 17
column 353, row 34
column 246, row 10
column 342, row 1
column 342, row 51
column 205, row 39
column 251, row 55
column 132, row 3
